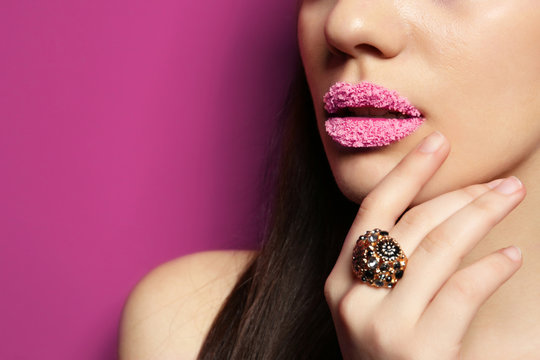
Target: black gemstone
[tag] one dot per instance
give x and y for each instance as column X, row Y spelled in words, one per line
column 379, row 283
column 399, row 274
column 384, row 233
column 388, row 279
column 384, row 267
column 369, row 274
column 397, row 265
column 364, row 278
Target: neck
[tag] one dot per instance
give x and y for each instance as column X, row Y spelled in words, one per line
column 523, row 220
column 513, row 309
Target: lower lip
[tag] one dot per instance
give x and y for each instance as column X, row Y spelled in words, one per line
column 359, row 132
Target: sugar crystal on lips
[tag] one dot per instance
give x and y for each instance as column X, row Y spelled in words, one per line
column 365, row 130
column 378, row 259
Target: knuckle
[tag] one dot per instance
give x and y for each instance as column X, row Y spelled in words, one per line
column 495, row 264
column 472, row 285
column 347, row 307
column 403, row 172
column 497, row 267
column 375, row 335
column 432, row 245
column 375, row 201
column 414, row 218
column 380, row 335
column 384, row 340
column 482, row 206
column 474, row 191
column 486, row 210
column 330, row 290
column 464, row 287
column 368, row 204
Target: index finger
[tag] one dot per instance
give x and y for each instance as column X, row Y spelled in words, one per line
column 394, row 193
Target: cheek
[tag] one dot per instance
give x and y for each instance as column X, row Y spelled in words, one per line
column 310, row 32
column 482, row 95
column 471, row 160
column 491, row 114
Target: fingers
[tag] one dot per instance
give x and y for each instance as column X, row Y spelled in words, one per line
column 391, row 197
column 458, row 301
column 420, row 220
column 438, row 256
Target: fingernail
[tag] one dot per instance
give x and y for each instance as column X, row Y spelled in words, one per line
column 512, row 252
column 509, row 186
column 494, row 183
column 431, row 143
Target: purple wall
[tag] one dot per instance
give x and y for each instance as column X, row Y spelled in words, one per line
column 132, row 132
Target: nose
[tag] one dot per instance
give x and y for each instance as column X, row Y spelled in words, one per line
column 354, row 27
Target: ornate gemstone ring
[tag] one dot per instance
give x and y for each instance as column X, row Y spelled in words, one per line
column 378, row 259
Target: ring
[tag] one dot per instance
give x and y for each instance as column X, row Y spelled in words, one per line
column 378, row 259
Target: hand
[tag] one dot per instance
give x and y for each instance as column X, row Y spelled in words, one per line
column 427, row 313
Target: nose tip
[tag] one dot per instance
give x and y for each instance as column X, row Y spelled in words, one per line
column 356, row 27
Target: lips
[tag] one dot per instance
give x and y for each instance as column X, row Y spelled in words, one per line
column 368, row 115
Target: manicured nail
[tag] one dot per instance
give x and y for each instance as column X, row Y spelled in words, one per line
column 512, row 252
column 431, row 143
column 494, row 183
column 509, row 186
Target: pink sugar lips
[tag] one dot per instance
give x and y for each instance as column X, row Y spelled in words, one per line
column 368, row 115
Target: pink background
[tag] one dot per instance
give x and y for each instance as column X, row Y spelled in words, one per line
column 132, row 132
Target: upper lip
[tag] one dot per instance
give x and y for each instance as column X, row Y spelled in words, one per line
column 366, row 99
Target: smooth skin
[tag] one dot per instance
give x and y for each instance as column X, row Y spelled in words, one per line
column 471, row 67
column 427, row 314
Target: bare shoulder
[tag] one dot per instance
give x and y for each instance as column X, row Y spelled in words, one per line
column 168, row 313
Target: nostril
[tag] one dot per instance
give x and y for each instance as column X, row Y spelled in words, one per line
column 370, row 50
column 364, row 48
column 335, row 51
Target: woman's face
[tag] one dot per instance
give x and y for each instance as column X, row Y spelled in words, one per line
column 472, row 67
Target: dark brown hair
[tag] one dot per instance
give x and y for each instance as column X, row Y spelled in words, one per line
column 277, row 310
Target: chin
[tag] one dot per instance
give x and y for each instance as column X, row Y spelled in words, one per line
column 356, row 188
column 356, row 175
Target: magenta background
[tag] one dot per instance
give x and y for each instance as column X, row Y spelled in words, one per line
column 132, row 132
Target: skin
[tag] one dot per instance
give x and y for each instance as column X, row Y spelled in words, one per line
column 451, row 60
column 471, row 67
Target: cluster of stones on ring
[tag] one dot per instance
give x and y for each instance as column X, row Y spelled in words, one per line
column 378, row 259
